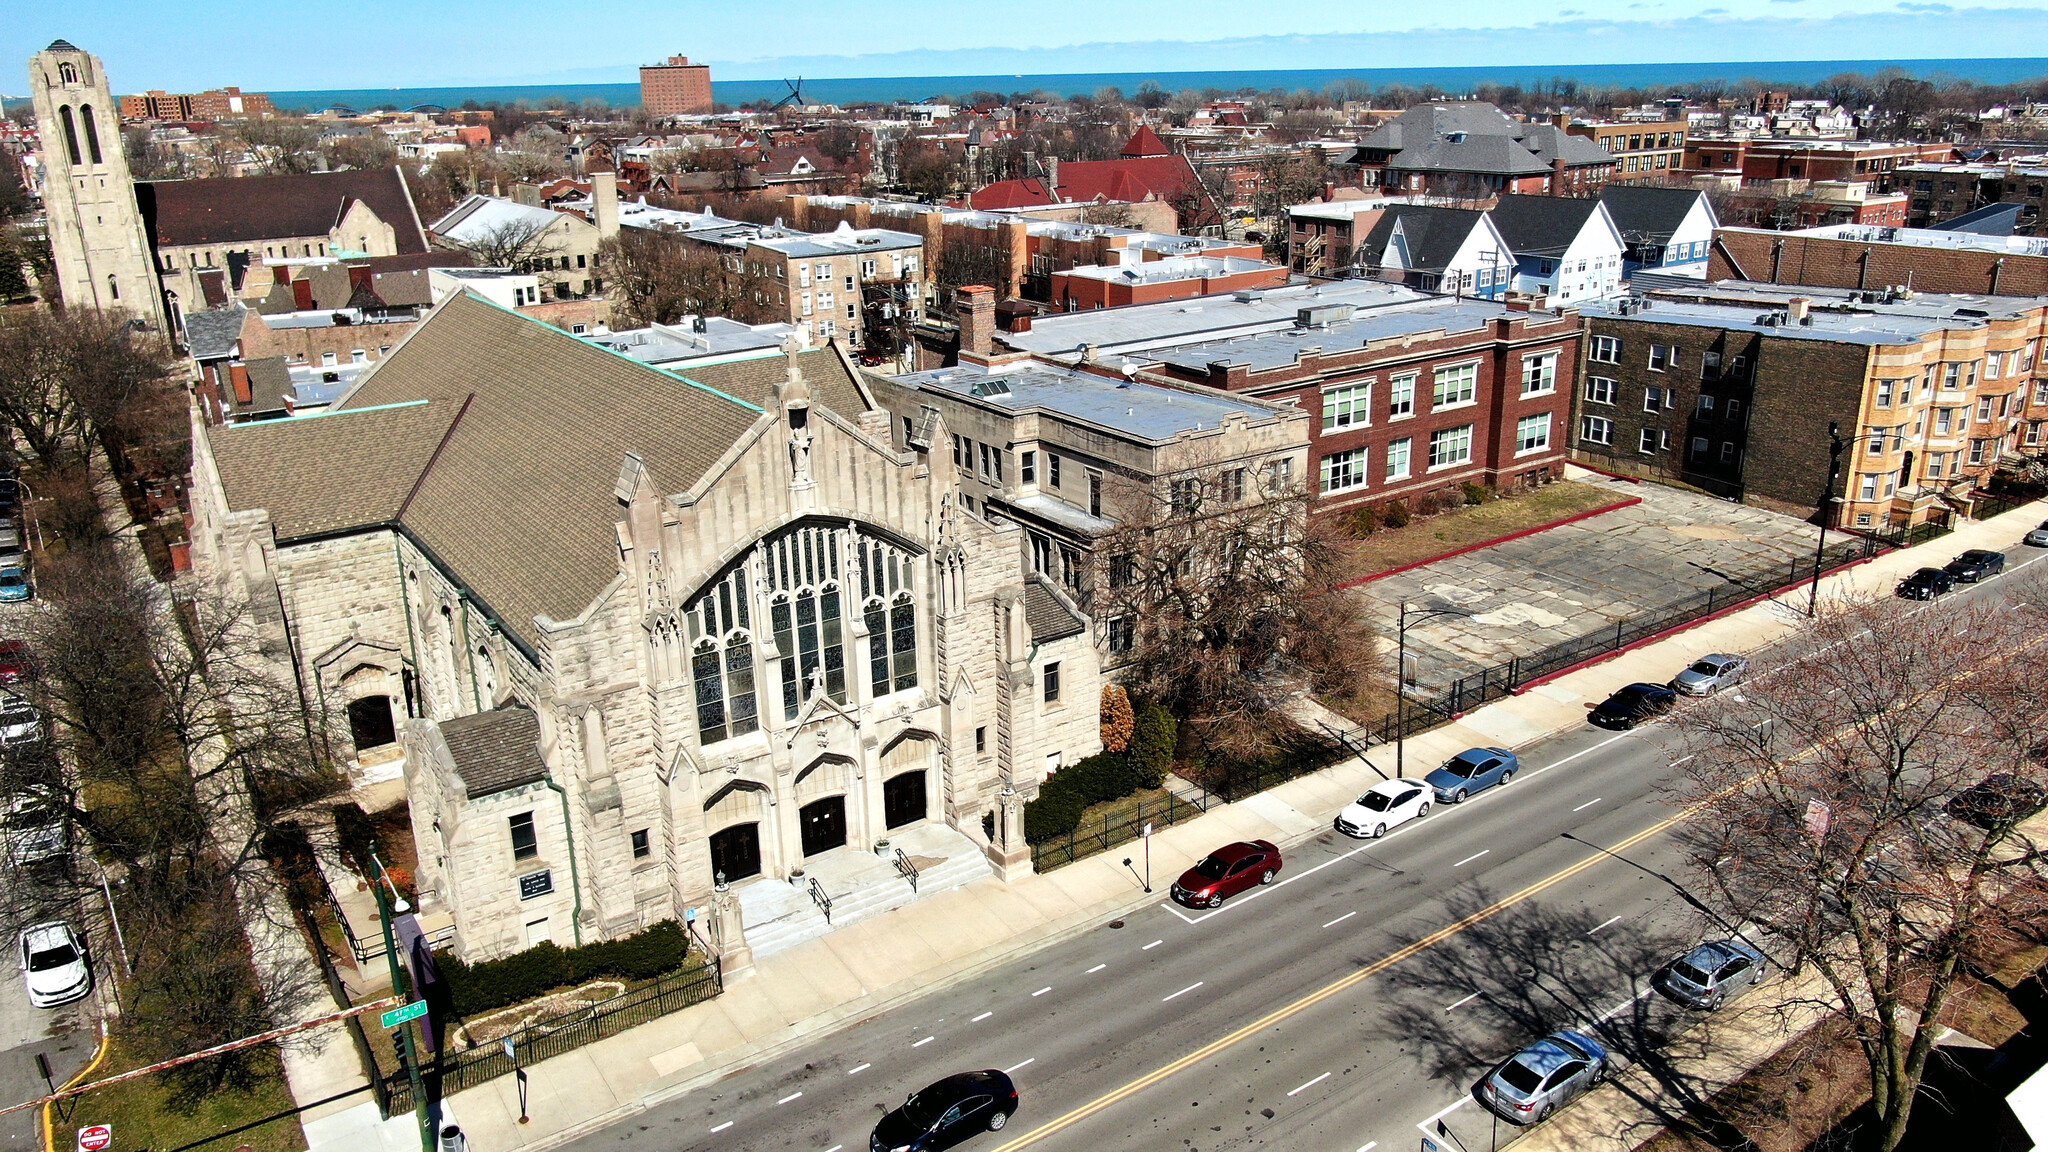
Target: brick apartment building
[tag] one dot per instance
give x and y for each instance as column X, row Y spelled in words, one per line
column 1942, row 192
column 676, row 87
column 1411, row 393
column 214, row 104
column 1864, row 257
column 1732, row 387
column 1759, row 161
column 1644, row 150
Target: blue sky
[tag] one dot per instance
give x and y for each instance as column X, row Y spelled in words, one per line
column 293, row 45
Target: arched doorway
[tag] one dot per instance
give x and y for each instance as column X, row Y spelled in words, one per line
column 903, row 799
column 823, row 825
column 736, row 852
column 369, row 722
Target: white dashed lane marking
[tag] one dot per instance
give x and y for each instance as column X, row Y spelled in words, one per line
column 1189, row 988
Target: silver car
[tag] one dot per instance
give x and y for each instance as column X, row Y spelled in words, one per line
column 1711, row 974
column 2038, row 538
column 1528, row 1086
column 1710, row 674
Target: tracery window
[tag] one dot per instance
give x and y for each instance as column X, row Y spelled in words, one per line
column 722, row 659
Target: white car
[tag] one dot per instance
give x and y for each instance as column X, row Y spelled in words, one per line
column 53, row 962
column 32, row 834
column 20, row 721
column 1385, row 806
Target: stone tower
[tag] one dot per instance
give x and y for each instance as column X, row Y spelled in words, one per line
column 96, row 234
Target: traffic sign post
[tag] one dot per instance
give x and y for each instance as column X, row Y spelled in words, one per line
column 397, row 1016
column 95, row 1137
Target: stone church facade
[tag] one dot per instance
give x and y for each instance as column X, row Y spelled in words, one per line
column 623, row 632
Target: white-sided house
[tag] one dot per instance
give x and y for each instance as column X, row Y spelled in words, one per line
column 1566, row 249
column 1664, row 230
column 560, row 248
column 1441, row 249
column 640, row 634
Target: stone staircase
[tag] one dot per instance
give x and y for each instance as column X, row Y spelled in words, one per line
column 779, row 914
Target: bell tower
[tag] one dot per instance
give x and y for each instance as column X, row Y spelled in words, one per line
column 97, row 239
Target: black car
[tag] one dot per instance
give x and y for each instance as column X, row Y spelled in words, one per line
column 1975, row 565
column 1632, row 705
column 947, row 1113
column 1926, row 584
column 1997, row 802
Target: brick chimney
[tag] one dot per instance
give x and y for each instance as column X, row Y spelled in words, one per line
column 1052, row 177
column 604, row 203
column 239, row 373
column 976, row 308
column 1557, row 176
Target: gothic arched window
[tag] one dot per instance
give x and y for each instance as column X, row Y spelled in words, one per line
column 722, row 659
column 803, row 567
column 70, row 132
column 92, row 132
column 890, row 612
column 67, row 72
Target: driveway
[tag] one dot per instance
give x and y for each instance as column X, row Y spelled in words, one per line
column 1528, row 594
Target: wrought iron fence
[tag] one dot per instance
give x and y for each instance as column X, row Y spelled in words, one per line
column 1114, row 828
column 455, row 1071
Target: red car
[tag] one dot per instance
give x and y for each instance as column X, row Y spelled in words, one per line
column 1226, row 872
column 16, row 662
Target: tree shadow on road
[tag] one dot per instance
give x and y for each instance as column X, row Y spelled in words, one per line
column 1536, row 968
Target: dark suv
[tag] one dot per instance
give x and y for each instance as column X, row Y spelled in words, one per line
column 1926, row 584
column 1975, row 565
column 948, row 1112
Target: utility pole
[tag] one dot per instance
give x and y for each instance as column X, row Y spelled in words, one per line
column 1827, row 511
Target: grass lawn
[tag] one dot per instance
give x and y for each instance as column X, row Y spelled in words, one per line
column 1422, row 539
column 142, row 1119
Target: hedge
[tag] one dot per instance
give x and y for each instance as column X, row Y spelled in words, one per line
column 1104, row 776
column 545, row 967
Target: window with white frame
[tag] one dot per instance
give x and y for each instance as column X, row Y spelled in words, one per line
column 1605, row 350
column 1455, row 385
column 1397, row 457
column 1347, row 405
column 1700, row 447
column 1599, row 390
column 1596, row 430
column 1401, row 395
column 1884, row 393
column 1994, row 365
column 1450, row 446
column 1662, row 356
column 1539, row 374
column 1653, row 399
column 1727, row 451
column 1532, row 433
column 1344, row 471
column 1648, row 441
column 1866, row 486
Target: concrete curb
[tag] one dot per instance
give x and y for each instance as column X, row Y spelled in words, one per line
column 1517, row 534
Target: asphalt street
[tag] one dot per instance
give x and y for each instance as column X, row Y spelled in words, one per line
column 1348, row 1006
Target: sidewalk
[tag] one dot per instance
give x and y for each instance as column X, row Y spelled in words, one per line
column 863, row 969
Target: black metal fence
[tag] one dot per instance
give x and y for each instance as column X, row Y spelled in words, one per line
column 456, row 1071
column 1489, row 684
column 1115, row 828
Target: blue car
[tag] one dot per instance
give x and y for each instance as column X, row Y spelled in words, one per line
column 1473, row 770
column 14, row 584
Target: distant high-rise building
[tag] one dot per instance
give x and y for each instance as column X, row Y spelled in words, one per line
column 676, row 88
column 214, row 104
column 97, row 239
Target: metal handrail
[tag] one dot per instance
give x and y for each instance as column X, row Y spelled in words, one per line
column 906, row 868
column 819, row 898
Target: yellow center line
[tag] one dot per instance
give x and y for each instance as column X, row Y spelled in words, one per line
column 1333, row 988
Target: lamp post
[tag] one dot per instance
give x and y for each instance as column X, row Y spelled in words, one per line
column 1401, row 680
column 1827, row 511
column 408, row 1053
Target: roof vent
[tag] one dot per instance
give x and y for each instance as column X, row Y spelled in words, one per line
column 1322, row 315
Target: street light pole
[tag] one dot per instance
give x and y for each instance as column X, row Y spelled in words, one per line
column 408, row 1052
column 1827, row 511
column 1401, row 681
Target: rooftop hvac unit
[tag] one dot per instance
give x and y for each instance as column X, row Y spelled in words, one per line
column 1322, row 315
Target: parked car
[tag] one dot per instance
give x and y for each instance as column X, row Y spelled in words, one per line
column 2038, row 538
column 10, row 539
column 33, row 833
column 53, row 962
column 1473, row 770
column 1710, row 674
column 17, row 662
column 1528, row 1086
column 20, row 722
column 1711, row 974
column 14, row 583
column 1227, row 871
column 1385, row 805
column 1975, row 565
column 1633, row 705
column 947, row 1112
column 1997, row 802
column 1926, row 584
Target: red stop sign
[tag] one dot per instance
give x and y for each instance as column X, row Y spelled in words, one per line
column 95, row 1138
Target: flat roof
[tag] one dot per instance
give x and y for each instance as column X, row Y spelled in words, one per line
column 1170, row 269
column 668, row 343
column 1279, row 347
column 1919, row 237
column 1145, row 411
column 1837, row 315
column 1136, row 328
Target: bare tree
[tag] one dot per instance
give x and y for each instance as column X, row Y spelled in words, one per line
column 962, row 262
column 658, row 277
column 520, row 243
column 281, row 145
column 1860, row 811
column 1234, row 590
